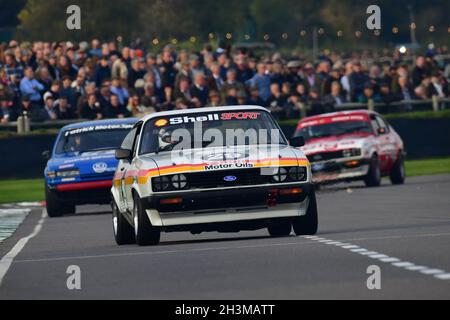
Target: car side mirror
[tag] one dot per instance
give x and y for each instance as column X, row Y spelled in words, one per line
column 297, row 142
column 381, row 131
column 46, row 155
column 123, row 154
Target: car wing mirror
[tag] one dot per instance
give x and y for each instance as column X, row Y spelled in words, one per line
column 297, row 142
column 381, row 131
column 123, row 154
column 46, row 155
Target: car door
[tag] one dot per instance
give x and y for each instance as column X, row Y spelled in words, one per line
column 131, row 173
column 382, row 141
column 388, row 143
column 124, row 168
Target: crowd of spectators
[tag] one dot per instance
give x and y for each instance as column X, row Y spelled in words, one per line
column 63, row 81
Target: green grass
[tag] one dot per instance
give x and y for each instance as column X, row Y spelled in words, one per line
column 427, row 167
column 12, row 191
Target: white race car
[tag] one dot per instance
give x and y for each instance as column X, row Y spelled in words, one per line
column 217, row 169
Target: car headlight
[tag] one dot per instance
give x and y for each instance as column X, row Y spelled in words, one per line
column 68, row 173
column 298, row 174
column 51, row 174
column 161, row 183
column 351, row 153
column 179, row 181
column 281, row 175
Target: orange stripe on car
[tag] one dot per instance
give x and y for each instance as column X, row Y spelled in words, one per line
column 144, row 175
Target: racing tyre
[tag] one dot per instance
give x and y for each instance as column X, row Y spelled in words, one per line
column 398, row 171
column 308, row 224
column 373, row 178
column 145, row 233
column 55, row 208
column 123, row 231
column 280, row 229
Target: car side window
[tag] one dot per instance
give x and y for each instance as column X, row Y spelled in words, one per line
column 383, row 125
column 128, row 142
column 375, row 125
column 136, row 140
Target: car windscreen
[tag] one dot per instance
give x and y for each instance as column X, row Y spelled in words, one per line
column 334, row 129
column 90, row 141
column 214, row 129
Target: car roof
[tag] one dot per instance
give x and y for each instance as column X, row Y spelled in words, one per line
column 203, row 110
column 85, row 124
column 340, row 113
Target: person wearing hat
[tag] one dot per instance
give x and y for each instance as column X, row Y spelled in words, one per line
column 242, row 98
column 369, row 93
column 255, row 99
column 102, row 71
column 214, row 99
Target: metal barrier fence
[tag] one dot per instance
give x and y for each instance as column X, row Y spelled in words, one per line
column 23, row 124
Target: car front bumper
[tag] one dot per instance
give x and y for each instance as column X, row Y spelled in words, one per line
column 80, row 193
column 340, row 170
column 220, row 206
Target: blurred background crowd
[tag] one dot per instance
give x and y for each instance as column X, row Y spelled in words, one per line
column 94, row 80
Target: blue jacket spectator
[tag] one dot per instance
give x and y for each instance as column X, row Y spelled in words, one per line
column 30, row 87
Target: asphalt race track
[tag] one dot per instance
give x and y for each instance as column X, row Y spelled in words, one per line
column 405, row 230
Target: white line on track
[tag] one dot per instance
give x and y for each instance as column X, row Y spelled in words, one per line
column 7, row 260
column 436, row 273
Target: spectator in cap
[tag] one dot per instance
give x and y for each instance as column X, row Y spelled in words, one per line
column 214, row 99
column 68, row 91
column 255, row 99
column 242, row 98
column 102, row 71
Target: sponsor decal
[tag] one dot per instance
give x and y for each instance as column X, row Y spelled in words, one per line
column 223, row 156
column 100, row 167
column 109, row 127
column 161, row 123
column 329, row 120
column 222, row 166
column 215, row 117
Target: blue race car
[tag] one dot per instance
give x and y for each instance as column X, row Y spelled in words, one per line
column 82, row 164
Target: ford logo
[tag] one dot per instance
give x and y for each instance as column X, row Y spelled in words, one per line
column 230, row 178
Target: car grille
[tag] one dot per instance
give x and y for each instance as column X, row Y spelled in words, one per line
column 324, row 156
column 217, row 179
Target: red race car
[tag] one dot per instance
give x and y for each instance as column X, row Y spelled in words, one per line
column 353, row 145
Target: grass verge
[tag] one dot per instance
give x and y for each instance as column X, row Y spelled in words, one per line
column 12, row 191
